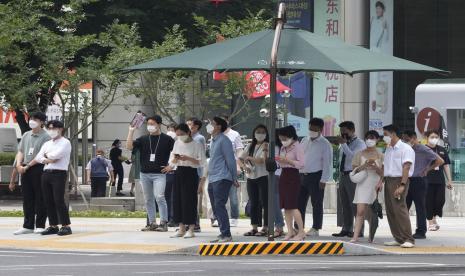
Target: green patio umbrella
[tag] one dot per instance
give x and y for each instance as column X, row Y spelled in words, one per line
column 298, row 50
column 291, row 49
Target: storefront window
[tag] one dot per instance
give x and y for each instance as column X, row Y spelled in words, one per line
column 456, row 132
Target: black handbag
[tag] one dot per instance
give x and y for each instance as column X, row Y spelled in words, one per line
column 377, row 208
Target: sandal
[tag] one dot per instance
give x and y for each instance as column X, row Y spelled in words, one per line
column 252, row 232
column 278, row 233
column 261, row 233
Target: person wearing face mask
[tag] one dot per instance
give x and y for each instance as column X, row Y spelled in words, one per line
column 435, row 195
column 222, row 174
column 171, row 130
column 187, row 156
column 55, row 155
column 290, row 159
column 399, row 161
column 98, row 170
column 425, row 161
column 252, row 161
column 116, row 157
column 318, row 154
column 195, row 125
column 34, row 210
column 371, row 161
column 350, row 145
column 154, row 152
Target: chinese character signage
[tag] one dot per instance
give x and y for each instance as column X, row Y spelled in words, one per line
column 300, row 13
column 381, row 40
column 328, row 86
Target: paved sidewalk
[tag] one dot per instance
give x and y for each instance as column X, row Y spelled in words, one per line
column 124, row 235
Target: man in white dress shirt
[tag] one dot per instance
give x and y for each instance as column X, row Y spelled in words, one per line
column 316, row 172
column 399, row 161
column 55, row 155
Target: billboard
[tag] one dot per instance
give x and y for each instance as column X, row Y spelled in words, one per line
column 381, row 83
column 328, row 86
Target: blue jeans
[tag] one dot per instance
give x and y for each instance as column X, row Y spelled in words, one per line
column 218, row 192
column 153, row 185
column 234, row 202
column 278, row 215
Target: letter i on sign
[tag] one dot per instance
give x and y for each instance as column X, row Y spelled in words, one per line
column 427, row 122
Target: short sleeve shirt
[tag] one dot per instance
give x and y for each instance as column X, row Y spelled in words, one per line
column 424, row 156
column 31, row 143
column 236, row 140
column 160, row 145
column 395, row 157
column 436, row 176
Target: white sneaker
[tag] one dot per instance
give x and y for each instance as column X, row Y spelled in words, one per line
column 39, row 230
column 23, row 231
column 189, row 235
column 407, row 245
column 392, row 243
column 313, row 232
column 233, row 222
column 178, row 234
column 215, row 223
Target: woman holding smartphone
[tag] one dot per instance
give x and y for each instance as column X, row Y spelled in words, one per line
column 187, row 156
column 252, row 161
column 291, row 159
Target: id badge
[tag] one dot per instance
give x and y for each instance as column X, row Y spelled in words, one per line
column 31, row 151
column 152, row 157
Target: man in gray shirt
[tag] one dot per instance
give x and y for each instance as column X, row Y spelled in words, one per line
column 425, row 160
column 34, row 210
column 350, row 145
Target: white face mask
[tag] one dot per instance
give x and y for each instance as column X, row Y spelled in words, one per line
column 313, row 134
column 260, row 137
column 210, row 128
column 287, row 143
column 370, row 143
column 33, row 124
column 152, row 129
column 387, row 139
column 183, row 138
column 433, row 141
column 53, row 133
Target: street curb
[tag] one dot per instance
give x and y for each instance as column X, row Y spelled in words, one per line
column 272, row 248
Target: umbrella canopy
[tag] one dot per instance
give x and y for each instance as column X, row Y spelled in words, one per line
column 298, row 50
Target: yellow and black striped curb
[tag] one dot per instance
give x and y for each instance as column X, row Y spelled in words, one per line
column 272, row 248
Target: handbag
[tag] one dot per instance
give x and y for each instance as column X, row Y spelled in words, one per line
column 377, row 208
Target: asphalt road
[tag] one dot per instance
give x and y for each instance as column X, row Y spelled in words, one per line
column 26, row 262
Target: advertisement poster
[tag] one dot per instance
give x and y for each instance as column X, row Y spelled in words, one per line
column 381, row 83
column 327, row 87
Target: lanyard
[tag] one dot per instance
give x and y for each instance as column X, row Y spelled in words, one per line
column 150, row 142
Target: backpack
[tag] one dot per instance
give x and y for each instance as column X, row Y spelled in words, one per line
column 98, row 167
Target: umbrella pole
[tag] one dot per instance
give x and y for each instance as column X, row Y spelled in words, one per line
column 272, row 123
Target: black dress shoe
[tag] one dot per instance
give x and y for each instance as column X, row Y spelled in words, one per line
column 342, row 234
column 419, row 236
column 50, row 231
column 65, row 231
column 120, row 194
column 351, row 234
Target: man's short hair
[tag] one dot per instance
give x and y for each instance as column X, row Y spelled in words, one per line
column 39, row 116
column 196, row 122
column 410, row 133
column 348, row 124
column 55, row 124
column 317, row 122
column 391, row 129
column 156, row 118
column 222, row 122
column 381, row 5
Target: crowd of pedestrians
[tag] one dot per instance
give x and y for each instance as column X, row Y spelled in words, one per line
column 175, row 176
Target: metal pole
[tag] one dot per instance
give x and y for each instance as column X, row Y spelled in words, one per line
column 85, row 145
column 272, row 123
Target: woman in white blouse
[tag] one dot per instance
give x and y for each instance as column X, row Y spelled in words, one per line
column 252, row 161
column 187, row 156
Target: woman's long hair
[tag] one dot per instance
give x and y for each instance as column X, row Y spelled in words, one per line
column 254, row 140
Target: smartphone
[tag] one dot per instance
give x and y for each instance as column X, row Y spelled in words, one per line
column 138, row 119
